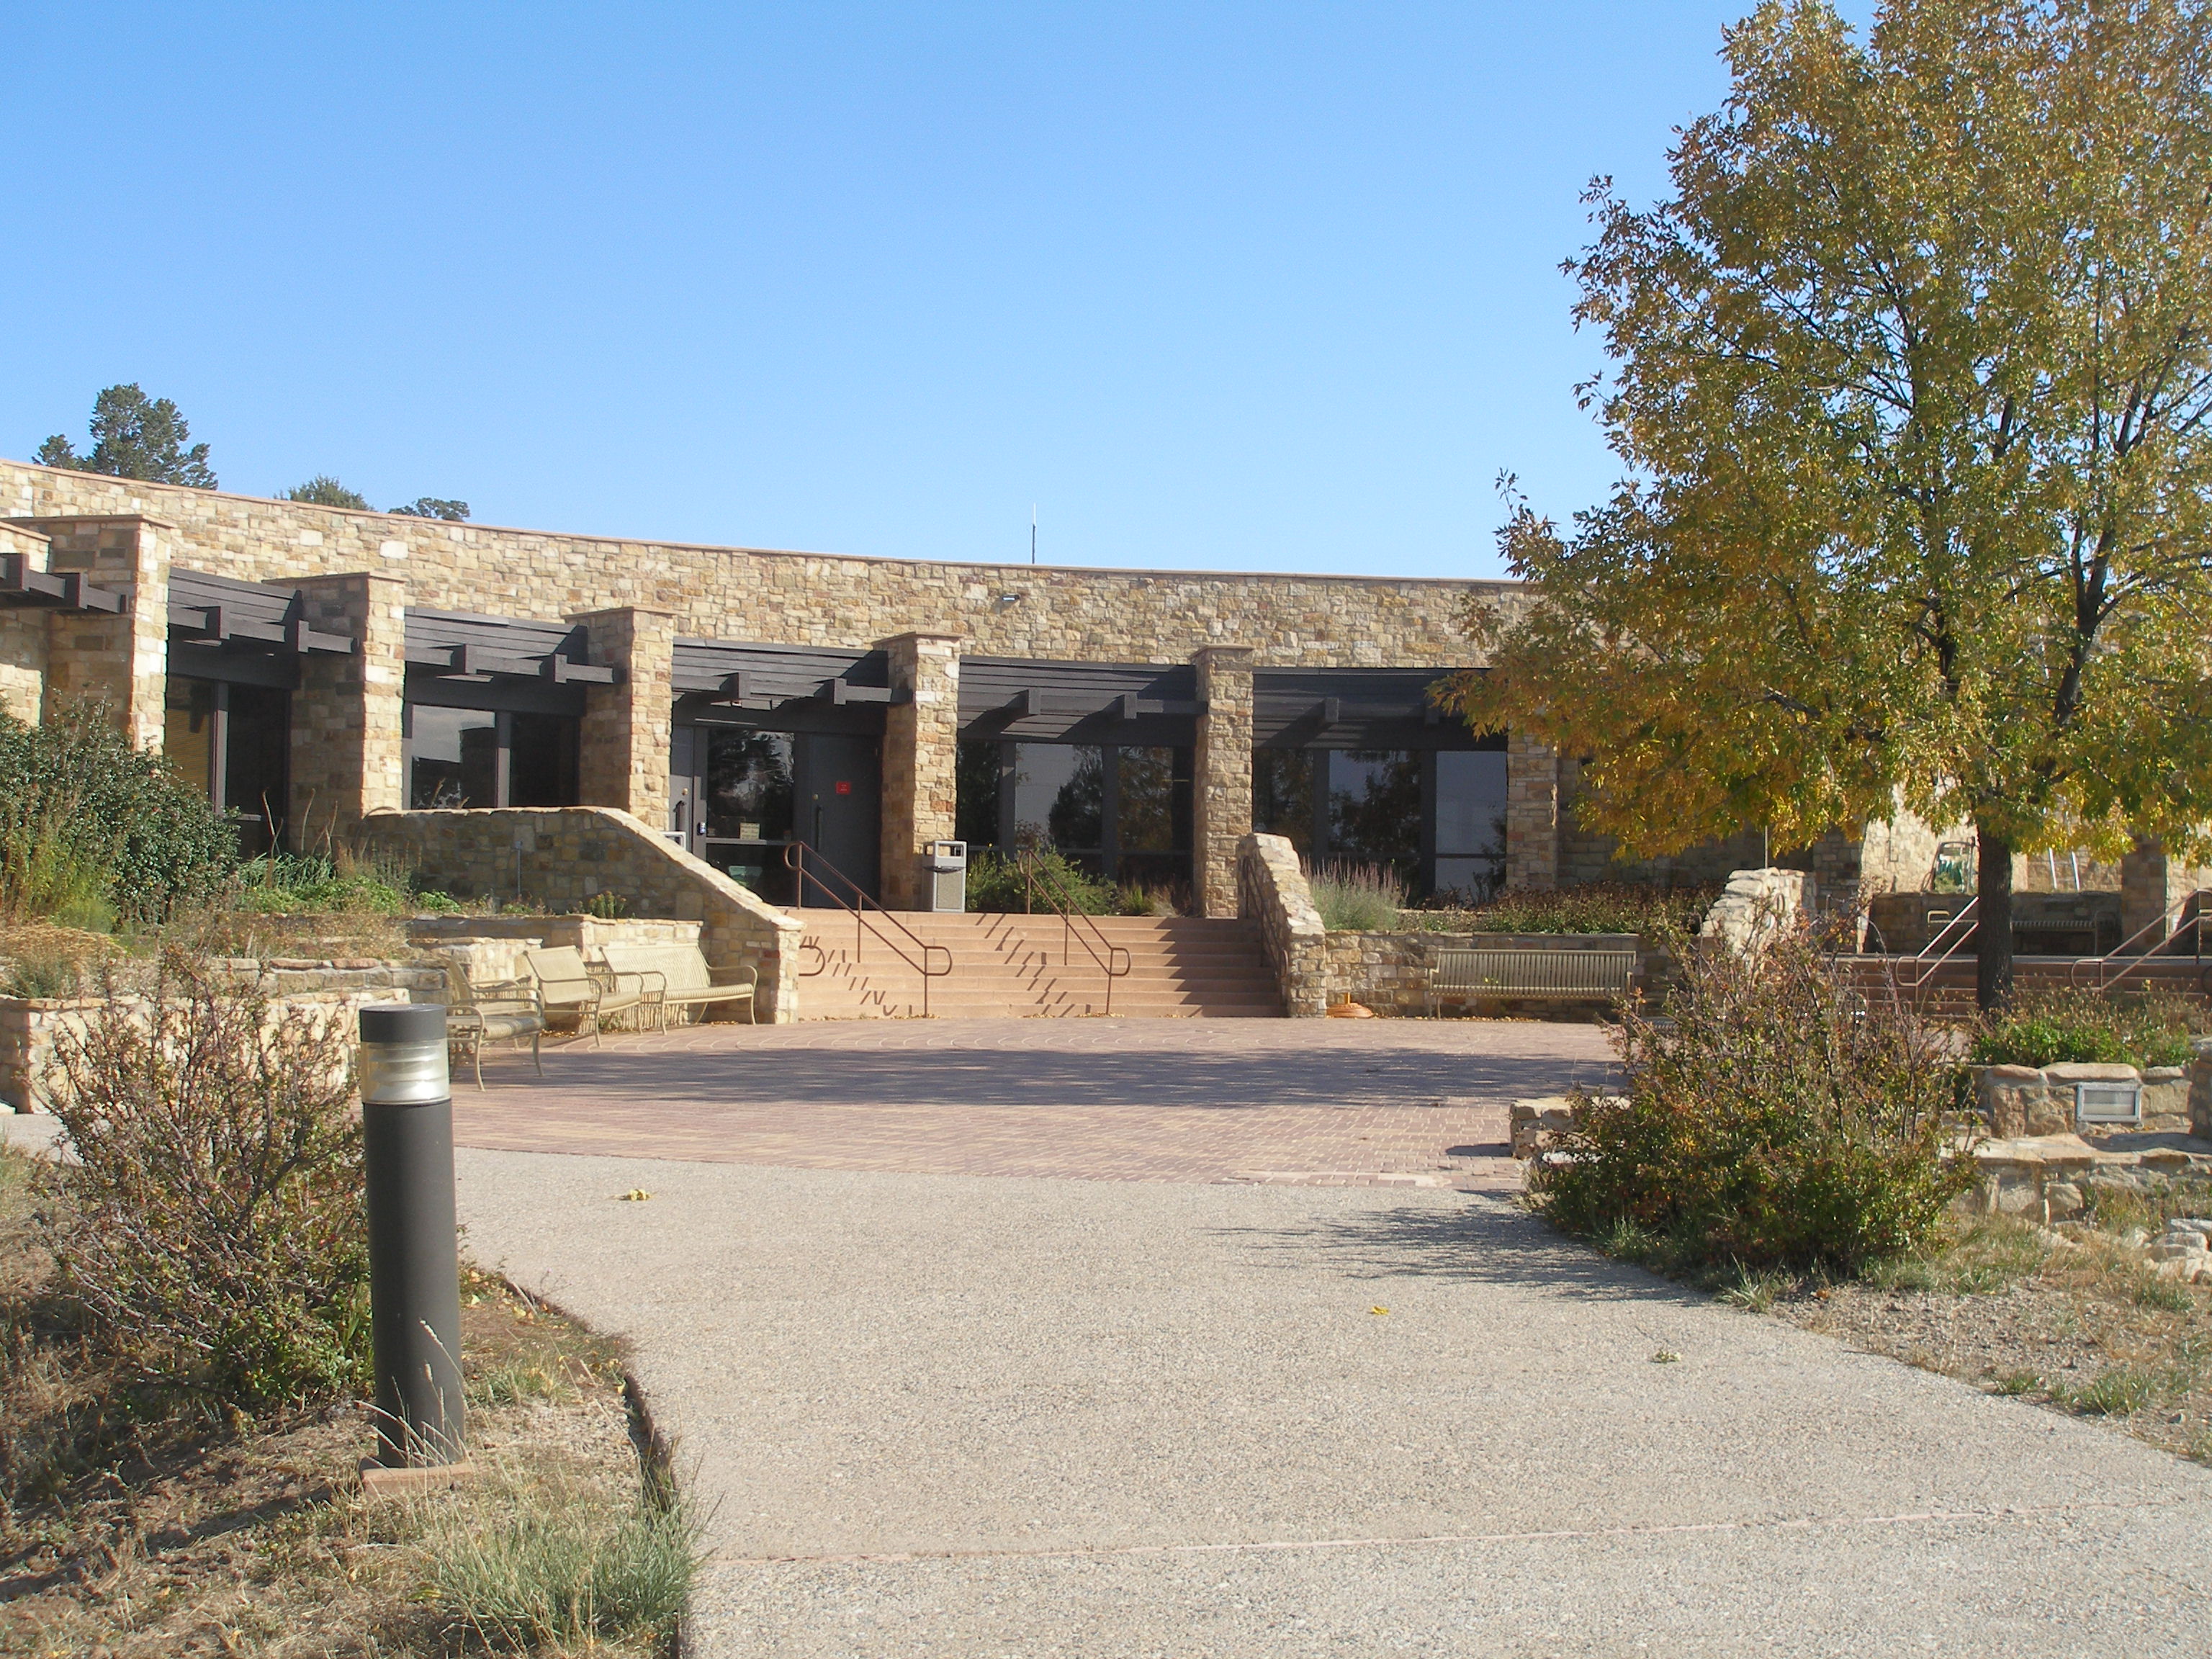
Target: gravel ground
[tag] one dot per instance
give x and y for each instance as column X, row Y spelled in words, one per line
column 969, row 1416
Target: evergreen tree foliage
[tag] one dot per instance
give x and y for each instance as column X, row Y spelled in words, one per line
column 135, row 436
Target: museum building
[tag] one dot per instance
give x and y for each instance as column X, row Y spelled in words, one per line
column 314, row 665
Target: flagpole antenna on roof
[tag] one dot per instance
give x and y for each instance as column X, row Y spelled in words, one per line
column 1032, row 532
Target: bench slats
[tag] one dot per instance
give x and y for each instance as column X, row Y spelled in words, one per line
column 1560, row 976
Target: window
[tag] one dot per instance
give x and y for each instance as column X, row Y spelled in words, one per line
column 1436, row 817
column 235, row 741
column 479, row 757
column 1120, row 812
column 1470, row 852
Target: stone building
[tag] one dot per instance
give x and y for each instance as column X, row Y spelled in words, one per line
column 315, row 666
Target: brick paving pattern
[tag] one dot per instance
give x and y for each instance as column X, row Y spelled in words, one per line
column 1330, row 1102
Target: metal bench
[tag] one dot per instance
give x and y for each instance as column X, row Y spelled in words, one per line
column 1521, row 975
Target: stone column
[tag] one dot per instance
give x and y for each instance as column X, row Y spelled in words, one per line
column 921, row 750
column 2151, row 885
column 346, row 754
column 1221, row 777
column 122, row 660
column 1532, row 815
column 24, row 645
column 627, row 725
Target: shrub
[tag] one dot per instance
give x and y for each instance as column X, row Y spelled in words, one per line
column 1774, row 1122
column 1600, row 908
column 211, row 1222
column 1358, row 898
column 339, row 883
column 996, row 883
column 89, row 826
column 2057, row 1025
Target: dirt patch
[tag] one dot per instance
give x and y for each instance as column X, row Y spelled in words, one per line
column 2075, row 1319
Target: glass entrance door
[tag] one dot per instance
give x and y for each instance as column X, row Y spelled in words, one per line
column 741, row 796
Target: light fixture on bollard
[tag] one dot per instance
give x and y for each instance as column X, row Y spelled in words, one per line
column 414, row 1267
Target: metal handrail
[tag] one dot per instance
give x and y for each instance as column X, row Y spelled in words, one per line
column 2172, row 915
column 1934, row 967
column 798, row 854
column 1115, row 964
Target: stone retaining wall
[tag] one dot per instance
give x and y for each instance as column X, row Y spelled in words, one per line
column 30, row 1026
column 566, row 855
column 1272, row 891
column 2018, row 1100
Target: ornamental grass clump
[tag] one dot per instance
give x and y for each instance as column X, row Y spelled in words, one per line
column 1358, row 898
column 1776, row 1120
column 208, row 1221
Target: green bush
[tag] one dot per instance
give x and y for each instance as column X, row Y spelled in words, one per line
column 89, row 826
column 996, row 884
column 1600, row 908
column 209, row 1221
column 1358, row 898
column 1774, row 1122
column 2057, row 1025
column 339, row 883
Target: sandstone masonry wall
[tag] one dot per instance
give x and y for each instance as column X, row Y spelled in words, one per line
column 1272, row 891
column 793, row 598
column 562, row 856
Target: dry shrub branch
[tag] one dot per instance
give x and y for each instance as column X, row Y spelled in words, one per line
column 209, row 1222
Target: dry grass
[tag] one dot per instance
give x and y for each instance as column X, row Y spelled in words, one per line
column 132, row 1532
column 2073, row 1319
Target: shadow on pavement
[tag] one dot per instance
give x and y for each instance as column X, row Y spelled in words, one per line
column 953, row 1077
column 1480, row 1240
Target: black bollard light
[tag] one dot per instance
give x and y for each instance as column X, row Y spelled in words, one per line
column 413, row 1258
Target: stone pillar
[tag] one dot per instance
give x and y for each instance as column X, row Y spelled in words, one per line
column 627, row 725
column 921, row 751
column 1221, row 780
column 2151, row 885
column 123, row 660
column 346, row 753
column 1532, row 815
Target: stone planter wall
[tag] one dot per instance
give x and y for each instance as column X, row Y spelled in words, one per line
column 2020, row 1100
column 30, row 1026
column 1389, row 972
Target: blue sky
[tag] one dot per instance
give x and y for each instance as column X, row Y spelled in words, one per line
column 1233, row 287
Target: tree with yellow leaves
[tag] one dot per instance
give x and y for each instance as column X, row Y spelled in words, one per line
column 1911, row 380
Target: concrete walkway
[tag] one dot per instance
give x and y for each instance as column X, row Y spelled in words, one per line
column 1021, row 1417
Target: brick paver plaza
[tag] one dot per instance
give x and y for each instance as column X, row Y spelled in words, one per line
column 1317, row 1103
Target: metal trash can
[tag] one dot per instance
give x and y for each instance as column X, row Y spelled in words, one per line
column 944, row 870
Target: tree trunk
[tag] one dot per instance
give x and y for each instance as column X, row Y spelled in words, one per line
column 1992, row 921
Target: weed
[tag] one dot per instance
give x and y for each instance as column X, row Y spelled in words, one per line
column 607, row 906
column 536, row 1556
column 515, row 1382
column 2114, row 1392
column 1754, row 1292
column 2017, row 1382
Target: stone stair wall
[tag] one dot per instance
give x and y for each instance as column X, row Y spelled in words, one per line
column 562, row 857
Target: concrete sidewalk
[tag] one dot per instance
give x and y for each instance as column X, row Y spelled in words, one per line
column 961, row 1416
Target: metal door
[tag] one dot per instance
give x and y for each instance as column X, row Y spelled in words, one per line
column 839, row 811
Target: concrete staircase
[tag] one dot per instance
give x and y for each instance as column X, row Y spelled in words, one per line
column 1180, row 967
